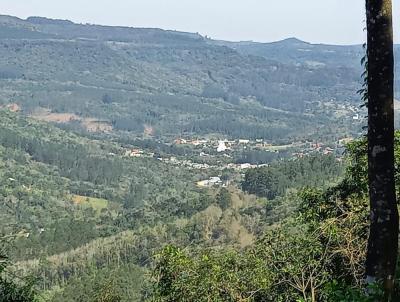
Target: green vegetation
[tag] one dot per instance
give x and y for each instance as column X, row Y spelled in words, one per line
column 166, row 83
column 275, row 179
column 97, row 204
column 12, row 290
column 315, row 254
column 74, row 229
column 88, row 220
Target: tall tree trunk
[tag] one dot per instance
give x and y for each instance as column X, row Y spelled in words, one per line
column 384, row 228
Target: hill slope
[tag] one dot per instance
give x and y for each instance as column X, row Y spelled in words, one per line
column 175, row 82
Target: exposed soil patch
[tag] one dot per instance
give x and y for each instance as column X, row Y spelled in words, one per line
column 90, row 124
column 148, row 130
column 12, row 107
column 52, row 117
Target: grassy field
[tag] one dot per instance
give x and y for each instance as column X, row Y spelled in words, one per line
column 96, row 204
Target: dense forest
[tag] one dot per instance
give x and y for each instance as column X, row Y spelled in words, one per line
column 176, row 83
column 79, row 211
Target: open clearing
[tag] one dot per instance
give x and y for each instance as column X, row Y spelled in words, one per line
column 96, row 204
column 90, row 124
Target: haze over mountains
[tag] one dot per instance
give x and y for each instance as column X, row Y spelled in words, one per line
column 173, row 82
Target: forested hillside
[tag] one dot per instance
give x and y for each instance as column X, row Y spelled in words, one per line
column 78, row 210
column 175, row 83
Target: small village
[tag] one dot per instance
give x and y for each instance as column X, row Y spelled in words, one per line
column 215, row 156
column 227, row 148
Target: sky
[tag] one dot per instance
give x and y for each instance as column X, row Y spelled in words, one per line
column 316, row 21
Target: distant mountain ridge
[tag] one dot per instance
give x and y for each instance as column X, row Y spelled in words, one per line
column 37, row 20
column 284, row 51
column 69, row 29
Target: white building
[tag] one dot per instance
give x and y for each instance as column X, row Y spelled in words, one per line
column 210, row 182
column 245, row 166
column 222, row 146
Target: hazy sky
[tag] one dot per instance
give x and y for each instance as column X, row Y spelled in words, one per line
column 319, row 21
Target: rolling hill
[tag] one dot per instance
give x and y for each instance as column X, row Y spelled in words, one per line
column 176, row 83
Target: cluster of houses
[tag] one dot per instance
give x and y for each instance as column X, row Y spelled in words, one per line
column 138, row 153
column 135, row 152
column 222, row 145
column 355, row 111
column 204, row 166
column 314, row 148
column 194, row 142
column 323, row 149
column 350, row 110
column 187, row 163
column 303, row 149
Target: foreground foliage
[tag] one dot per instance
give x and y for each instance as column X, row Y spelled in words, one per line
column 12, row 290
column 317, row 254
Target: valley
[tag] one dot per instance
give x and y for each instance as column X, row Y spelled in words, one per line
column 121, row 148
